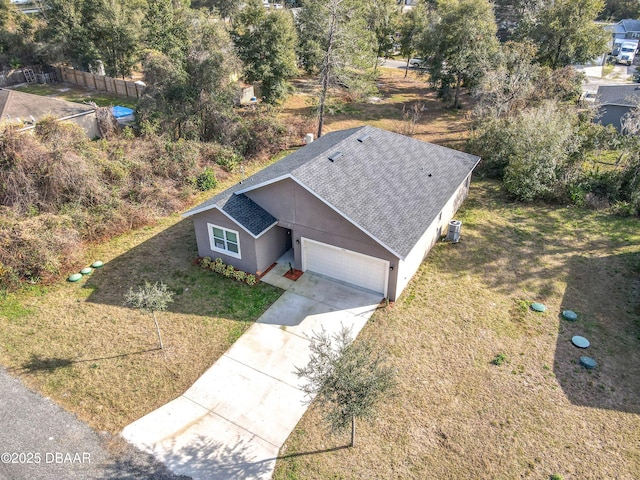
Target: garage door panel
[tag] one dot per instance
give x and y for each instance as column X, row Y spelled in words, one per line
column 345, row 265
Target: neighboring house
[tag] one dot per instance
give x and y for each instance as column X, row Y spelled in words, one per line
column 614, row 101
column 27, row 109
column 363, row 206
column 627, row 28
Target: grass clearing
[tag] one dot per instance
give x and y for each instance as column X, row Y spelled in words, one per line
column 437, row 122
column 457, row 413
column 77, row 94
column 78, row 344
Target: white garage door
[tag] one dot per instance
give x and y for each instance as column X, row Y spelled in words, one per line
column 344, row 265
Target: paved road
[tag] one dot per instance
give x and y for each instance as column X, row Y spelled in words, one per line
column 393, row 63
column 41, row 441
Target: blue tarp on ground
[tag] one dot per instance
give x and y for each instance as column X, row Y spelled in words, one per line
column 120, row 111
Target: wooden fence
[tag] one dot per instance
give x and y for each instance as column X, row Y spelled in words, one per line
column 125, row 88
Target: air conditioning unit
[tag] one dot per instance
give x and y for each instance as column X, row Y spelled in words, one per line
column 453, row 235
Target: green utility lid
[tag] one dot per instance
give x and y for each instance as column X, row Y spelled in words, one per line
column 569, row 315
column 580, row 342
column 97, row 264
column 538, row 307
column 86, row 271
column 75, row 277
column 588, row 362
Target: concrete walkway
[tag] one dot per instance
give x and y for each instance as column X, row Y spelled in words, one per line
column 232, row 422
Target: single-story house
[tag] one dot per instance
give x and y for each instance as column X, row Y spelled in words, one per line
column 26, row 109
column 614, row 101
column 627, row 28
column 363, row 206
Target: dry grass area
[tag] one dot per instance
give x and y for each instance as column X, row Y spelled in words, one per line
column 78, row 344
column 437, row 123
column 458, row 415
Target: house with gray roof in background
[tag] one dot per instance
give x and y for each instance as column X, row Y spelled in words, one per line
column 627, row 28
column 614, row 101
column 26, row 109
column 363, row 206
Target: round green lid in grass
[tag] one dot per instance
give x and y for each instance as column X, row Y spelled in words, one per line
column 75, row 277
column 588, row 362
column 97, row 264
column 86, row 271
column 538, row 307
column 580, row 342
column 569, row 315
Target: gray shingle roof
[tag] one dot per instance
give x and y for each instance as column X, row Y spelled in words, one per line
column 15, row 104
column 241, row 208
column 627, row 95
column 389, row 185
column 630, row 25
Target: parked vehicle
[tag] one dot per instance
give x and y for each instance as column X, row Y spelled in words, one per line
column 417, row 62
column 624, row 50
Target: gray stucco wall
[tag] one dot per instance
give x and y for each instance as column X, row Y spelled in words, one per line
column 248, row 261
column 308, row 217
column 270, row 246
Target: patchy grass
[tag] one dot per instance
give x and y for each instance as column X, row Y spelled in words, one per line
column 437, row 123
column 78, row 94
column 457, row 415
column 78, row 344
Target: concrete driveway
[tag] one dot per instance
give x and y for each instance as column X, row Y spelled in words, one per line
column 232, row 422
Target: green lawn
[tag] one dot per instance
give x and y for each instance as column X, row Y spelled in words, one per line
column 78, row 344
column 457, row 414
column 75, row 93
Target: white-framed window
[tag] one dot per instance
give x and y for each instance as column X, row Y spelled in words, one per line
column 224, row 240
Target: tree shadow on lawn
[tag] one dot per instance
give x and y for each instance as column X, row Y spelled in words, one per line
column 169, row 257
column 206, row 457
column 38, row 363
column 604, row 293
column 528, row 246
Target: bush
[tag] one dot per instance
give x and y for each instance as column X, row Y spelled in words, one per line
column 251, row 279
column 229, row 271
column 499, row 359
column 227, row 159
column 205, row 262
column 206, row 180
column 239, row 275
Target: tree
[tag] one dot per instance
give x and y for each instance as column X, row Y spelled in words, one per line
column 266, row 41
column 461, row 45
column 17, row 37
column 192, row 99
column 511, row 84
column 348, row 377
column 566, row 33
column 164, row 29
column 413, row 25
column 150, row 298
column 383, row 17
column 225, row 8
column 91, row 31
column 69, row 30
column 620, row 9
column 115, row 32
column 530, row 151
column 336, row 44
